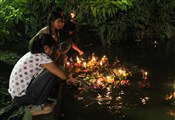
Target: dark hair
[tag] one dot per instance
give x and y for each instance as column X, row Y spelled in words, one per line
column 37, row 43
column 55, row 14
column 64, row 33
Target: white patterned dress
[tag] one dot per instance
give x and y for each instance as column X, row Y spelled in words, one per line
column 27, row 68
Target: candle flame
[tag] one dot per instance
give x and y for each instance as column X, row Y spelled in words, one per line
column 72, row 15
column 101, row 63
column 84, row 64
column 146, row 73
column 68, row 63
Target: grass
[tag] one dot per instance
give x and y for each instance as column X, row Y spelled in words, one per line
column 9, row 55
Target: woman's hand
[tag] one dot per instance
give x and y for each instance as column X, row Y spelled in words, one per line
column 69, row 75
column 72, row 81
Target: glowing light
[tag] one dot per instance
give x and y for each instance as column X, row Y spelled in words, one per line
column 84, row 64
column 93, row 59
column 109, row 79
column 98, row 82
column 101, row 63
column 72, row 15
column 145, row 75
column 68, row 64
column 78, row 60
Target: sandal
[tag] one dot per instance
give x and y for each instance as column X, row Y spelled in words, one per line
column 172, row 113
column 41, row 109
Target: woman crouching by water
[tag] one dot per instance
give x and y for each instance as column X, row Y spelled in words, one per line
column 35, row 74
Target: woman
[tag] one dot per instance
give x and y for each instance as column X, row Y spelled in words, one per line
column 55, row 24
column 34, row 75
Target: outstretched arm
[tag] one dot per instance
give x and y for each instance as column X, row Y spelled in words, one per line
column 54, row 69
column 75, row 47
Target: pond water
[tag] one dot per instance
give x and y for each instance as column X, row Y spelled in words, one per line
column 129, row 102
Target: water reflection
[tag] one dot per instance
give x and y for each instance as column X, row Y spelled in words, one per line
column 117, row 103
column 144, row 100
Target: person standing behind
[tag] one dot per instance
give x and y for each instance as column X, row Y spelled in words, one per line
column 35, row 74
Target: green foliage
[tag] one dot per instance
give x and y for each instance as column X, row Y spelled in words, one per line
column 164, row 16
column 154, row 17
column 11, row 14
column 37, row 13
column 21, row 19
column 105, row 16
column 13, row 112
column 109, row 19
column 9, row 57
column 9, row 110
column 27, row 115
column 112, row 19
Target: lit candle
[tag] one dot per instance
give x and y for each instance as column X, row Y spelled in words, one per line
column 121, row 72
column 109, row 79
column 98, row 82
column 84, row 64
column 78, row 60
column 72, row 15
column 104, row 58
column 93, row 59
column 101, row 63
column 125, row 75
column 145, row 75
column 68, row 64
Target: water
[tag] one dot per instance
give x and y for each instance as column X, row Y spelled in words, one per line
column 130, row 102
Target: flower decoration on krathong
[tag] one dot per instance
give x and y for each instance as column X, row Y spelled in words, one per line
column 170, row 98
column 144, row 83
column 95, row 73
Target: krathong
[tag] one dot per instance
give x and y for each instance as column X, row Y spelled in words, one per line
column 170, row 98
column 109, row 85
column 97, row 74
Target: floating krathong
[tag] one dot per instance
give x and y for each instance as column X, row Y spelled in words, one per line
column 95, row 73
